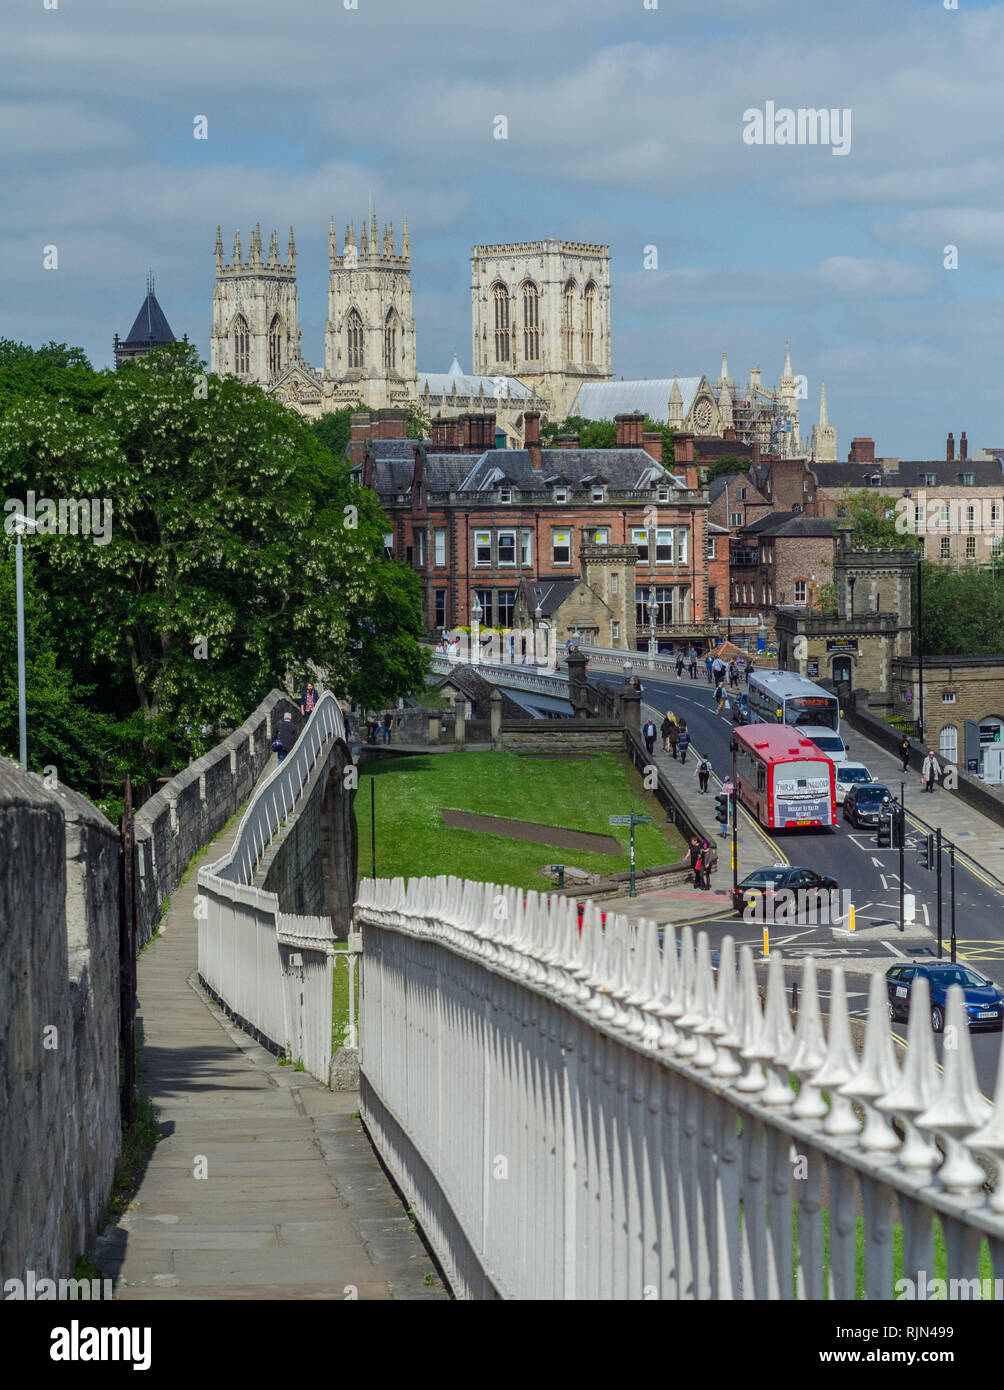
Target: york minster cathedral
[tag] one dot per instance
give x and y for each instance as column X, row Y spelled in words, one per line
column 540, row 323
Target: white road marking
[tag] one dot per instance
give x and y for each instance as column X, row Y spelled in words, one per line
column 890, row 947
column 876, row 862
column 885, row 886
column 927, row 915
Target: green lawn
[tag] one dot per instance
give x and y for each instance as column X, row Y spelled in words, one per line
column 411, row 794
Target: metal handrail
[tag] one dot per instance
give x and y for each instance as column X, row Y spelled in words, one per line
column 277, row 795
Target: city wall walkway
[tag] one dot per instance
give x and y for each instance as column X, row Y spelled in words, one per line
column 264, row 1184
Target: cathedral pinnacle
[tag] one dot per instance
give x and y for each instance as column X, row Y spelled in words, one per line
column 406, row 241
column 823, row 418
column 725, row 367
column 374, row 234
column 332, row 245
column 237, row 250
column 219, row 249
column 291, row 251
column 787, row 358
column 364, row 243
column 273, row 249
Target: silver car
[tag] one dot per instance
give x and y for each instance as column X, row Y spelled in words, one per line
column 849, row 775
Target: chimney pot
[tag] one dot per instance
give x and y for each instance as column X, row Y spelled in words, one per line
column 963, row 446
column 950, row 448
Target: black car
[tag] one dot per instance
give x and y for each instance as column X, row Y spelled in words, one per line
column 984, row 1002
column 778, row 878
column 866, row 803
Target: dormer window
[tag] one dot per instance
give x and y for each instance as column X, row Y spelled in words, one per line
column 597, row 494
column 967, row 479
column 930, row 480
column 505, row 495
column 561, row 494
column 742, row 494
column 876, row 480
column 664, row 494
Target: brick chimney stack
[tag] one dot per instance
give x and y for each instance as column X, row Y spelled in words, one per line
column 568, row 441
column 950, row 448
column 390, row 423
column 359, row 426
column 651, row 442
column 531, row 438
column 479, row 433
column 862, row 450
column 963, row 446
column 629, row 430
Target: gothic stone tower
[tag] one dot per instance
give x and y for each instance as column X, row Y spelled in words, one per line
column 256, row 327
column 369, row 338
column 540, row 311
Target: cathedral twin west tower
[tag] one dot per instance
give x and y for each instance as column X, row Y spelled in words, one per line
column 540, row 316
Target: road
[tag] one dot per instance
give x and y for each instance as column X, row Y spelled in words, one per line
column 872, row 875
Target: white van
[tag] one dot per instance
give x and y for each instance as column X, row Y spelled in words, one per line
column 826, row 741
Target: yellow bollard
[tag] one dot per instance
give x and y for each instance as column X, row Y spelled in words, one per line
column 766, row 944
column 850, row 919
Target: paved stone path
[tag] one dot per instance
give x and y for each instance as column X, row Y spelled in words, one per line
column 293, row 1204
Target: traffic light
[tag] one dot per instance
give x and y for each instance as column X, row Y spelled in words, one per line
column 896, row 823
column 929, row 853
column 722, row 808
column 884, row 840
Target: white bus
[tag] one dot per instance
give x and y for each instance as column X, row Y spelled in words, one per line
column 782, row 697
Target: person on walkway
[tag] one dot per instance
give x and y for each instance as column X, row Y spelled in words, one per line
column 693, row 663
column 308, row 700
column 749, row 672
column 372, row 725
column 285, row 736
column 695, row 859
column 387, row 724
column 347, row 720
column 703, row 774
column 708, row 665
column 683, row 742
column 679, row 665
column 649, row 733
column 665, row 729
column 729, row 788
column 931, row 771
column 637, row 685
column 674, row 739
column 719, row 696
column 904, row 752
column 709, row 858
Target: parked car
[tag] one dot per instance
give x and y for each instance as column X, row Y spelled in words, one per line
column 778, row 878
column 984, row 1002
column 826, row 741
column 866, row 802
column 849, row 775
column 741, row 713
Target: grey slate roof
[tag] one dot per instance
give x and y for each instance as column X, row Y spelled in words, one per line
column 479, row 692
column 623, row 468
column 910, row 473
column 789, row 524
column 392, row 475
column 717, row 485
column 150, row 325
column 548, row 594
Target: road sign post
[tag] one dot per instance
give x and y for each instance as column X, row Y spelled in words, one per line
column 901, row 817
column 951, row 889
column 631, row 820
column 735, row 826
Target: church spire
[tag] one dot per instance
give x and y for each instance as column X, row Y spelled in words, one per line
column 374, row 234
column 237, row 250
column 364, row 241
column 388, row 239
column 291, row 251
column 725, row 367
column 332, row 245
column 823, row 417
column 787, row 358
column 273, row 249
column 219, row 249
column 255, row 257
column 406, row 241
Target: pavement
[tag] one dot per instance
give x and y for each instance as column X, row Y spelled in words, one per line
column 264, row 1184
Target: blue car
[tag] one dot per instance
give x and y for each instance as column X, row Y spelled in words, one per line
column 741, row 712
column 984, row 1002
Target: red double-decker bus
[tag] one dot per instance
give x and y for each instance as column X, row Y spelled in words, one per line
column 783, row 778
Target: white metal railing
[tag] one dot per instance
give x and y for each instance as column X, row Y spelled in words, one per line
column 516, row 677
column 586, row 1116
column 272, row 970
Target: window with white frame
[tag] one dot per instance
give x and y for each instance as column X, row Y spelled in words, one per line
column 664, row 494
column 439, row 546
column 388, row 544
column 948, row 743
column 946, row 547
column 948, row 697
column 944, row 515
column 597, row 494
column 561, row 494
column 970, row 517
column 599, row 536
column 970, row 547
column 507, row 547
column 615, row 583
column 482, row 547
column 420, row 548
column 664, row 545
column 681, row 546
column 526, row 548
column 639, row 537
column 507, row 606
column 712, row 547
column 801, row 588
column 615, row 631
column 505, row 495
column 561, row 547
column 742, row 494
column 735, row 518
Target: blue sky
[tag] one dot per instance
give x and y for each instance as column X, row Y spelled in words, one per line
column 625, row 126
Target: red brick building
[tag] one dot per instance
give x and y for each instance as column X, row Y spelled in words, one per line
column 473, row 519
column 782, row 558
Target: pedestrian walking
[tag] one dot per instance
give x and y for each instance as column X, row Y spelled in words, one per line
column 347, row 721
column 695, row 860
column 904, row 752
column 285, row 736
column 665, row 729
column 693, row 663
column 729, row 788
column 749, row 672
column 683, row 741
column 308, row 700
column 387, row 723
column 708, row 664
column 703, row 774
column 679, row 665
column 674, row 739
column 719, row 697
column 709, row 858
column 637, row 685
column 649, row 734
column 931, row 771
column 372, row 725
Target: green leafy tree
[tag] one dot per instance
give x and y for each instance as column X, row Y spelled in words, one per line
column 335, row 430
column 240, row 550
column 602, row 434
column 726, row 463
column 963, row 611
column 874, row 526
column 52, row 370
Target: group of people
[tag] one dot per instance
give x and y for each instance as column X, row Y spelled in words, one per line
column 930, row 770
column 288, row 731
column 674, row 735
column 703, row 858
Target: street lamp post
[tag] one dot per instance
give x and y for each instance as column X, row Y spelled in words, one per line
column 20, row 522
column 538, row 618
column 920, row 642
column 761, row 636
column 651, row 630
column 851, row 581
column 476, row 612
